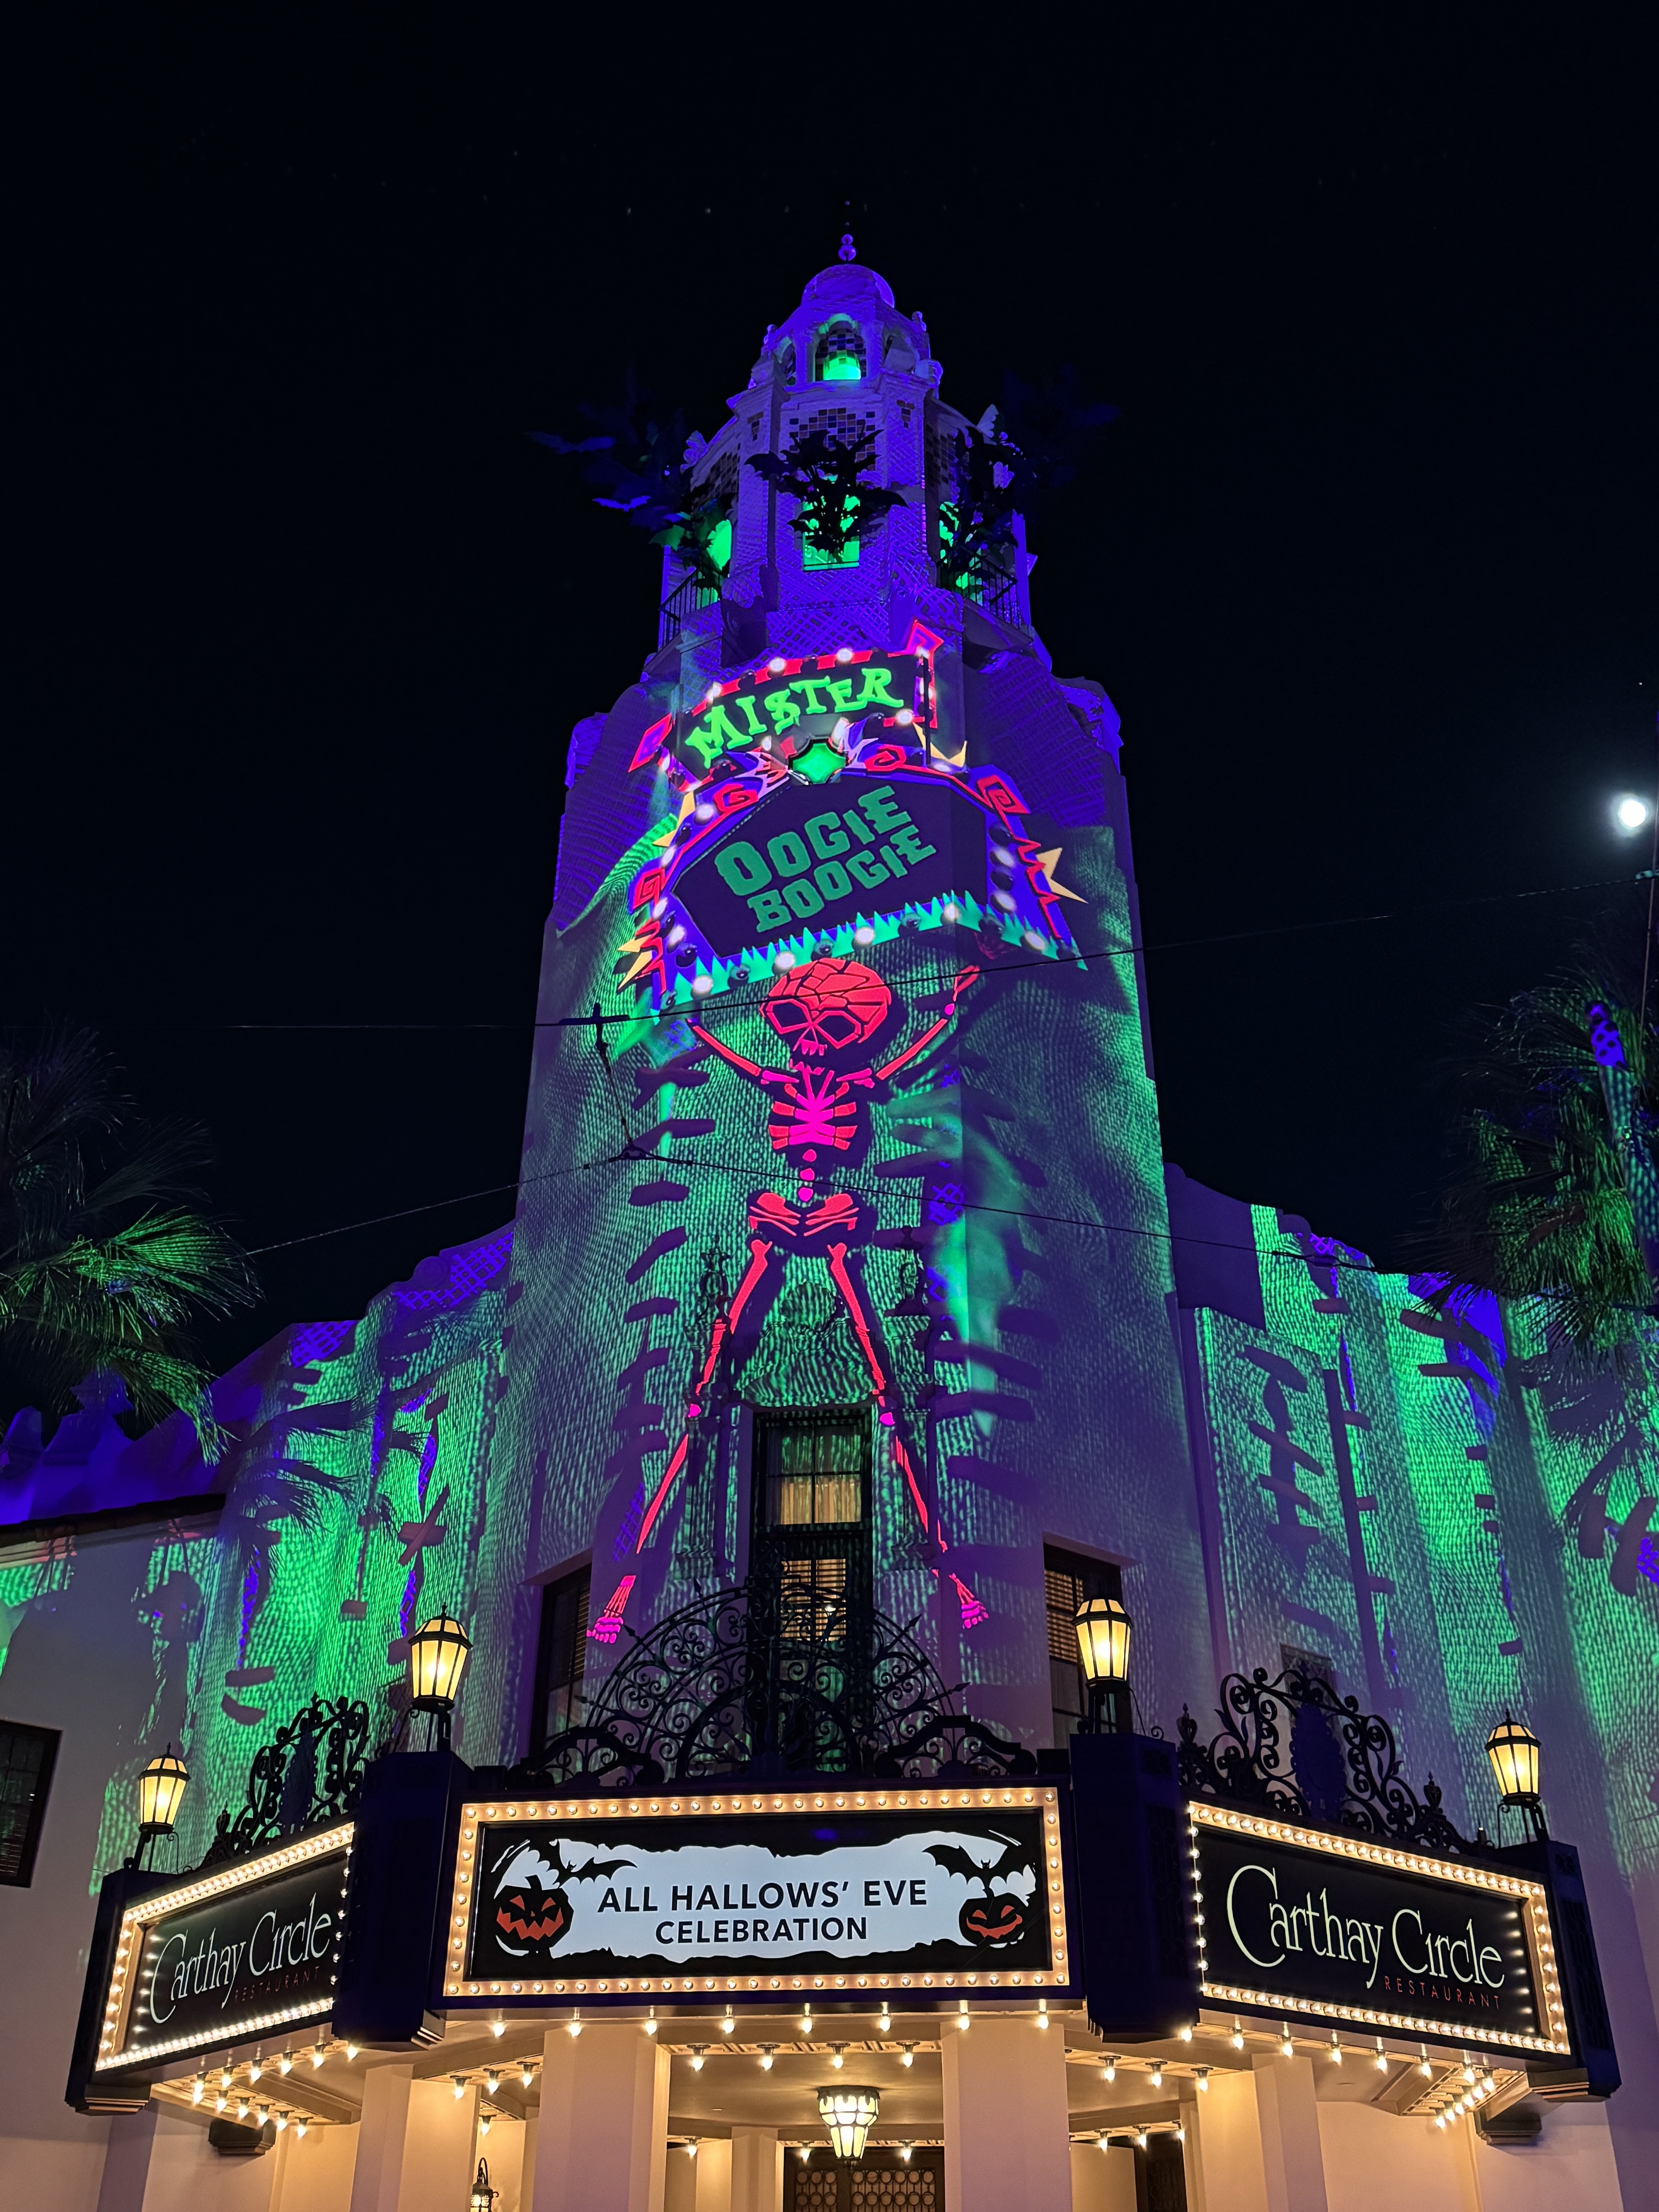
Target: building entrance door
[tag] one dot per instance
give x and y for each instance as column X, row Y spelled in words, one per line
column 882, row 2181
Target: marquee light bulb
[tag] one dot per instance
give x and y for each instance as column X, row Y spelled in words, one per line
column 838, row 2056
column 692, row 2147
column 908, row 2056
column 651, row 2023
column 885, row 2021
column 285, row 2063
column 459, row 2080
column 225, row 2077
column 241, row 2108
column 1468, row 2071
column 526, row 2074
column 1202, row 2074
column 1336, row 2050
column 220, row 2101
column 1237, row 2037
column 299, row 2126
column 1109, row 2071
column 485, row 2123
column 905, row 2150
column 1382, row 2057
column 498, row 2027
column 1287, row 2048
column 697, row 2051
column 256, row 2069
column 351, row 2051
column 1186, row 2035
column 318, row 2052
column 282, row 2122
column 806, row 2021
column 1140, row 2140
column 492, row 2081
column 263, row 2115
column 1423, row 2065
column 1181, row 2134
column 729, row 2024
column 1156, row 2077
column 573, row 2026
column 767, row 2051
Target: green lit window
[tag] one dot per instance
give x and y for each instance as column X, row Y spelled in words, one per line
column 720, row 544
column 840, row 353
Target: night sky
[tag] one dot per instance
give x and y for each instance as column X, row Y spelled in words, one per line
column 301, row 619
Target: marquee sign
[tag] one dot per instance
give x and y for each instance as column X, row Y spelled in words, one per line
column 829, row 858
column 254, row 1946
column 1305, row 1921
column 758, row 1892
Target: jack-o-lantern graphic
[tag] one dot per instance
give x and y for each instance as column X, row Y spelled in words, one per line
column 994, row 1920
column 531, row 1911
column 999, row 1918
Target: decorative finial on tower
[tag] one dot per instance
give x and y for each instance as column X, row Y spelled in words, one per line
column 848, row 250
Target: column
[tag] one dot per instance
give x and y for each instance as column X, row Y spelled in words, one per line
column 378, row 2174
column 602, row 2139
column 1287, row 2113
column 1193, row 2099
column 1224, row 2142
column 714, row 2163
column 1007, row 2130
column 756, row 2170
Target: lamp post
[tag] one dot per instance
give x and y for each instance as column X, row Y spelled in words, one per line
column 438, row 1654
column 849, row 2114
column 483, row 2195
column 1102, row 1648
column 161, row 1789
column 1517, row 1758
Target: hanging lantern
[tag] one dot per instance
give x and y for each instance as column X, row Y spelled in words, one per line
column 483, row 2195
column 161, row 1789
column 1515, row 1753
column 437, row 1659
column 1103, row 1640
column 849, row 2114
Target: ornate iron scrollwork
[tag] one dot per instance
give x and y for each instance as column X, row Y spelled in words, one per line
column 289, row 1787
column 1290, row 1746
column 728, row 1685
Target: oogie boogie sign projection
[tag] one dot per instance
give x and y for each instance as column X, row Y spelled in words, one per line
column 934, row 1889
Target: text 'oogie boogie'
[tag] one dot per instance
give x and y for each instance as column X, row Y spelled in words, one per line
column 834, row 855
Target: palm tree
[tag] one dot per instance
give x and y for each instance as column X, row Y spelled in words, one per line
column 104, row 1261
column 1560, row 1198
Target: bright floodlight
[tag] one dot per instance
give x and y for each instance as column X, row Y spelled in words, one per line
column 1632, row 813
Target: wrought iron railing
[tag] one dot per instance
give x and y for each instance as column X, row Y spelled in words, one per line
column 726, row 1685
column 1290, row 1746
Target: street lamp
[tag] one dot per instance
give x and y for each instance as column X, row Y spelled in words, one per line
column 161, row 1789
column 483, row 2195
column 849, row 2114
column 1103, row 1649
column 1516, row 1757
column 437, row 1659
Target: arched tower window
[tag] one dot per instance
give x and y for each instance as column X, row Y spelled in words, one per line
column 786, row 359
column 839, row 356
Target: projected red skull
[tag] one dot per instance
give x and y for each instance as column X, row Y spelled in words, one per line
column 827, row 1006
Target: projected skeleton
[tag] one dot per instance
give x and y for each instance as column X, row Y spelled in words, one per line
column 822, row 1011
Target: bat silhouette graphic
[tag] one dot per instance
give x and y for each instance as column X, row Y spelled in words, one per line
column 1017, row 1858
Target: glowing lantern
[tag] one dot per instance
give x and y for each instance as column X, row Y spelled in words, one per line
column 848, row 2114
